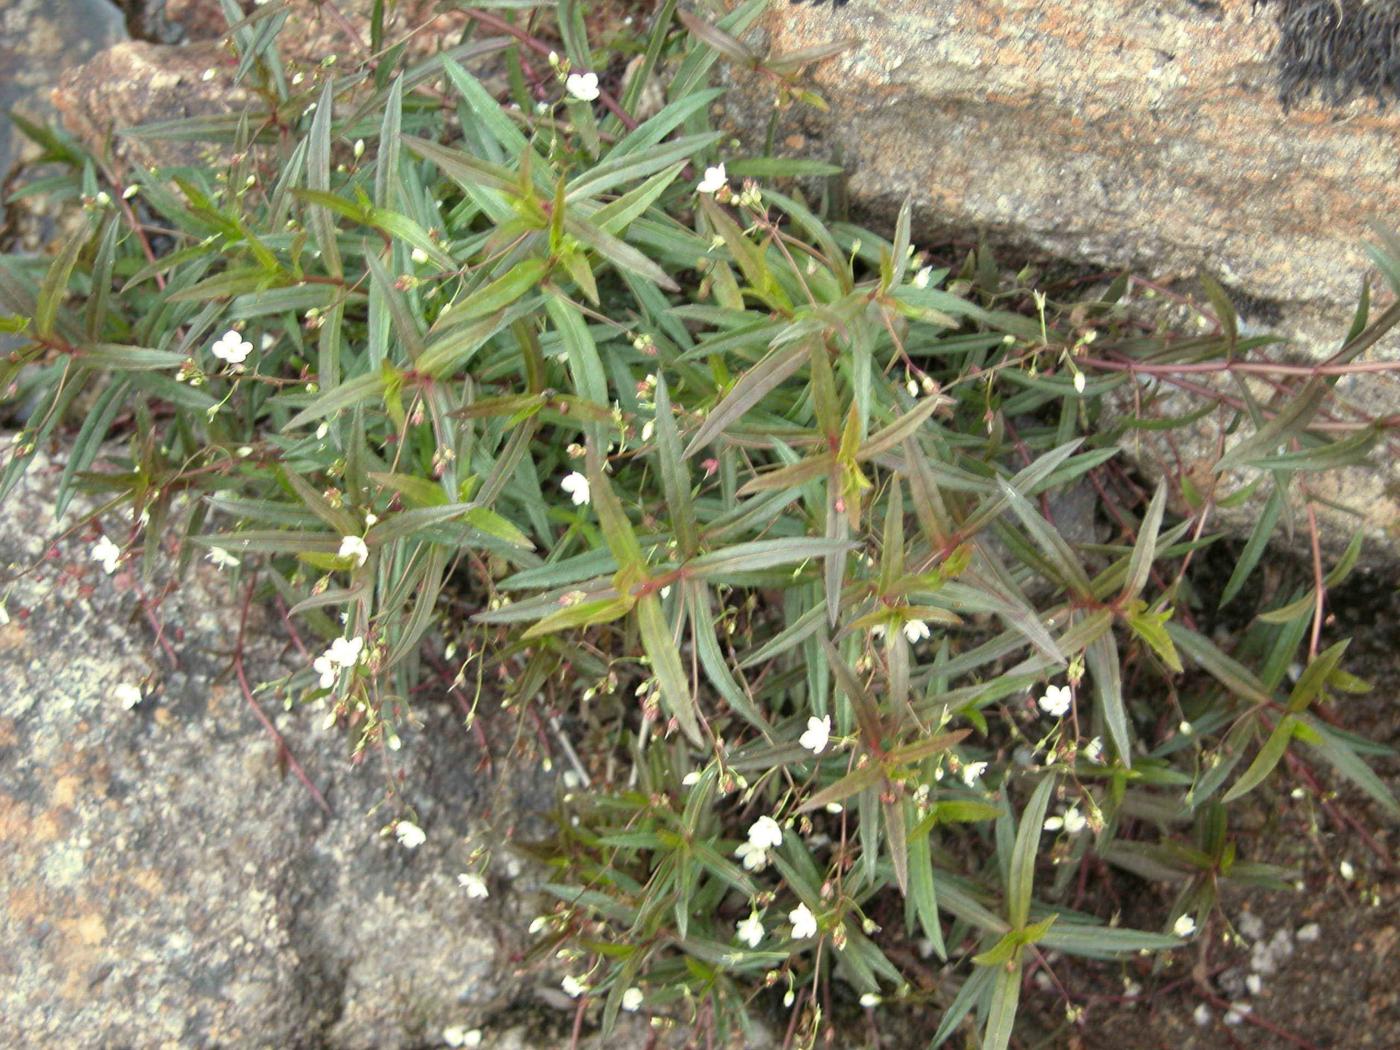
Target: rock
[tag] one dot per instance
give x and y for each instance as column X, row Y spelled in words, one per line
column 165, row 882
column 1118, row 134
column 38, row 39
column 139, row 82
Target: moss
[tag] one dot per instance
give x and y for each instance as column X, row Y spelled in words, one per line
column 1338, row 48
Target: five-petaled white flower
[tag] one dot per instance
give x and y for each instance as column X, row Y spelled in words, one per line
column 804, row 923
column 108, row 553
column 1056, row 701
column 1185, row 926
column 127, row 695
column 1074, row 821
column 764, row 833
column 573, row 987
column 576, row 485
column 817, row 735
column 972, row 772
column 714, row 180
column 409, row 834
column 632, row 999
column 474, row 884
column 915, row 631
column 222, row 558
column 232, row 347
column 750, row 930
column 582, row 86
column 354, row 547
column 755, row 858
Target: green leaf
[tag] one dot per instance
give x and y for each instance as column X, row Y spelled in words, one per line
column 1101, row 655
column 665, row 659
column 675, row 478
column 1140, row 564
column 1001, row 1011
column 1023, row 854
column 750, row 389
column 1269, row 756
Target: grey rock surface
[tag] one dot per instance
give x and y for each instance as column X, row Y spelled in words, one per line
column 1119, row 134
column 166, row 883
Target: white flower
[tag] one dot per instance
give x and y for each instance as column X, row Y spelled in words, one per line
column 419, row 256
column 1185, row 926
column 576, row 485
column 691, row 779
column 1056, row 701
column 127, row 695
column 1093, row 750
column 222, row 558
column 108, row 553
column 750, row 930
column 354, row 547
column 972, row 772
column 755, row 858
column 409, row 834
column 474, row 884
column 915, row 631
column 921, row 278
column 573, row 987
column 1201, row 1015
column 1074, row 821
column 582, row 86
column 1309, row 933
column 323, row 666
column 804, row 923
column 232, row 347
column 1348, row 871
column 912, row 387
column 346, row 651
column 1053, row 823
column 817, row 735
column 714, row 180
column 870, row 999
column 458, row 1035
column 764, row 833
column 632, row 1000
column 1079, row 382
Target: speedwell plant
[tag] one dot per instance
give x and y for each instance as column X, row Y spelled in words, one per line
column 772, row 516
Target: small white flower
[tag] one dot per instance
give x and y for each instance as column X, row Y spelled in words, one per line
column 764, row 833
column 108, row 553
column 573, row 987
column 409, row 834
column 1346, row 869
column 1201, row 1015
column 1185, row 728
column 632, row 1000
column 1053, row 823
column 804, row 923
column 459, row 1035
column 1074, row 821
column 714, row 180
column 232, row 347
column 1093, row 750
column 912, row 387
column 268, row 341
column 915, row 631
column 817, row 735
column 1079, row 382
column 346, row 651
column 691, row 779
column 972, row 772
column 750, row 930
column 1309, row 933
column 328, row 671
column 870, row 1000
column 222, row 558
column 354, row 547
column 471, row 1037
column 576, row 485
column 127, row 695
column 582, row 86
column 1254, row 984
column 1185, row 926
column 474, row 884
column 755, row 858
column 208, row 74
column 419, row 256
column 921, row 278
column 1056, row 701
